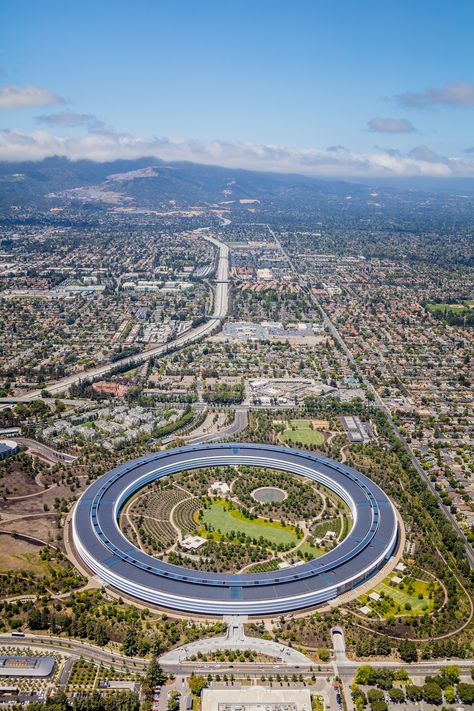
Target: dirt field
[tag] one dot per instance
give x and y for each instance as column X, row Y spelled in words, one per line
column 19, row 555
column 41, row 526
column 17, row 483
column 34, row 504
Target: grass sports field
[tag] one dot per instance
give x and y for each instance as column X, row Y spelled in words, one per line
column 301, row 432
column 227, row 520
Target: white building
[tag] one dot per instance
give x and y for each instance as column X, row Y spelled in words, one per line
column 256, row 698
column 220, row 488
column 192, row 543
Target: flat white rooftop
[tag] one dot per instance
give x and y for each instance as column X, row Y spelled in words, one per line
column 256, row 698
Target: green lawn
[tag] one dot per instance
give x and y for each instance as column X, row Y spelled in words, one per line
column 301, row 432
column 456, row 308
column 313, row 550
column 227, row 520
column 396, row 606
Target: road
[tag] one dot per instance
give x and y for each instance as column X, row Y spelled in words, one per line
column 221, row 307
column 238, row 425
column 329, row 325
column 43, row 450
column 386, row 410
column 76, row 648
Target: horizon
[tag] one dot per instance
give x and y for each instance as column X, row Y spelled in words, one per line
column 328, row 93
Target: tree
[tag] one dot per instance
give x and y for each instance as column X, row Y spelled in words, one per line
column 55, row 703
column 358, row 696
column 379, row 706
column 396, row 695
column 466, row 693
column 197, row 684
column 432, row 693
column 365, row 675
column 449, row 694
column 173, row 701
column 452, row 672
column 101, row 637
column 375, row 695
column 407, row 651
column 129, row 644
column 155, row 675
column 414, row 693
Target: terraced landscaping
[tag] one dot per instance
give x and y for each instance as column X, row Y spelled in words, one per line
column 185, row 515
column 150, row 514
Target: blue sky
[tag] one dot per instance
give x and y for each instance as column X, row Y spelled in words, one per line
column 267, row 84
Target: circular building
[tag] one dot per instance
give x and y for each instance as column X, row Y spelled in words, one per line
column 107, row 552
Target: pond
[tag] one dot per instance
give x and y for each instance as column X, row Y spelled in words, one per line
column 269, row 494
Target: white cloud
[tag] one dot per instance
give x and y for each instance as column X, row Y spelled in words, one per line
column 335, row 161
column 70, row 119
column 390, row 125
column 21, row 97
column 459, row 94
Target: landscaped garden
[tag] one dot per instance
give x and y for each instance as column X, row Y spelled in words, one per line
column 247, row 519
column 390, row 598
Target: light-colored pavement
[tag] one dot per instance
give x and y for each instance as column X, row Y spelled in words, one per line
column 234, row 639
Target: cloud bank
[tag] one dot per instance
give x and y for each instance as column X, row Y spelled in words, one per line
column 336, row 161
column 22, row 97
column 390, row 125
column 458, row 94
column 70, row 119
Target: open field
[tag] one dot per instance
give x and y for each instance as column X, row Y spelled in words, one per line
column 456, row 308
column 398, row 600
column 225, row 520
column 18, row 483
column 302, row 432
column 16, row 554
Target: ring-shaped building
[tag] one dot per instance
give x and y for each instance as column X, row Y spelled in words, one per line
column 117, row 562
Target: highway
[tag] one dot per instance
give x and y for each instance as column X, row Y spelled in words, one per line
column 221, row 306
